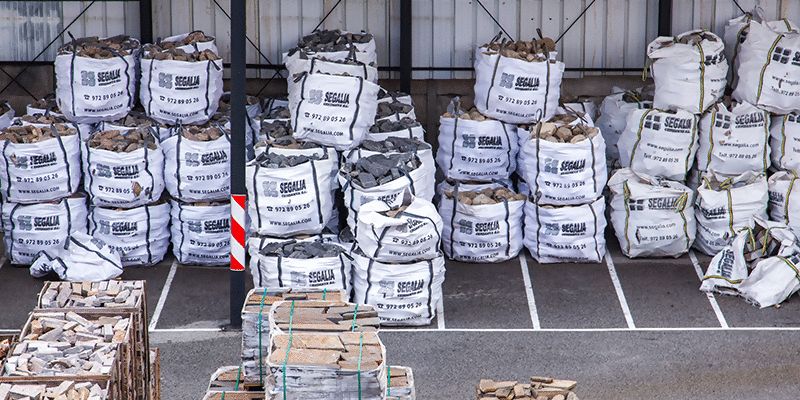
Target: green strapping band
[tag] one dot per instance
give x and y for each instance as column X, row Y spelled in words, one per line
column 388, row 380
column 324, row 293
column 355, row 314
column 260, row 351
column 360, row 352
column 238, row 377
column 288, row 348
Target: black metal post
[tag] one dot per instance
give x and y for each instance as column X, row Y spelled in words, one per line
column 146, row 21
column 664, row 17
column 238, row 117
column 405, row 45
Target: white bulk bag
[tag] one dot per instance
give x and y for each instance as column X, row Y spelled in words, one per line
column 81, row 259
column 659, row 143
column 183, row 92
column 784, row 199
column 364, row 52
column 565, row 173
column 569, row 234
column 333, row 110
column 516, row 91
column 785, row 142
column 773, row 280
column 419, row 181
column 162, row 132
column 273, row 271
column 197, row 170
column 767, row 67
column 397, row 116
column 317, row 65
column 123, row 179
column 43, row 171
column 391, row 97
column 447, row 185
column 734, row 142
column 414, row 234
column 613, row 116
column 476, row 150
column 651, row 217
column 414, row 132
column 201, row 232
column 139, row 235
column 483, row 233
column 7, row 117
column 320, row 152
column 90, row 90
column 721, row 213
column 425, row 155
column 735, row 33
column 404, row 294
column 292, row 200
column 197, row 46
column 688, row 77
column 31, row 228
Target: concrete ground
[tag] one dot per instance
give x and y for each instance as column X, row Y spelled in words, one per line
column 624, row 329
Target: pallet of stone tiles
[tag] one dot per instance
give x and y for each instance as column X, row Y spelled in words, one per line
column 155, row 374
column 400, row 383
column 231, row 378
column 57, row 388
column 93, row 345
column 224, row 395
column 124, row 297
column 255, row 322
column 323, row 316
column 6, row 341
column 326, row 366
column 538, row 388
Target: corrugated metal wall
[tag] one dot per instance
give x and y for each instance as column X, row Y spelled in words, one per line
column 612, row 34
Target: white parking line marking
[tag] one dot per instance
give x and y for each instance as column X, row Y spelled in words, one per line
column 599, row 330
column 526, row 278
column 9, row 330
column 185, row 330
column 440, row 313
column 711, row 299
column 163, row 298
column 620, row 294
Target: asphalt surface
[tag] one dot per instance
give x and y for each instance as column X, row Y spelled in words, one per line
column 625, row 329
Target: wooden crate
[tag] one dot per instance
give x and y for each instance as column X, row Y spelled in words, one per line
column 137, row 307
column 155, row 374
column 231, row 379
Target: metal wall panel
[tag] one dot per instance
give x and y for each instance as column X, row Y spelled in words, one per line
column 714, row 14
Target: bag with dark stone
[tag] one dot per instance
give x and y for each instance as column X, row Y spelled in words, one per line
column 41, row 164
column 566, row 234
column 201, row 232
column 96, row 78
column 296, row 264
column 334, row 45
column 395, row 145
column 384, row 178
column 140, row 235
column 6, row 115
column 394, row 111
column 289, row 146
column 197, row 163
column 405, row 128
column 321, row 65
column 123, row 168
column 387, row 96
column 189, row 42
column 31, row 228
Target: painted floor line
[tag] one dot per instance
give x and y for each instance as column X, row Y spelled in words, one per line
column 623, row 303
column 184, row 330
column 440, row 313
column 12, row 331
column 598, row 330
column 711, row 298
column 163, row 298
column 526, row 278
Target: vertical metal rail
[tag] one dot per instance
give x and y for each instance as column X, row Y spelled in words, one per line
column 664, row 17
column 146, row 21
column 237, row 175
column 405, row 45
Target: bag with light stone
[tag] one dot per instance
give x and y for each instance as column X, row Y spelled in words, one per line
column 201, row 232
column 725, row 205
column 190, row 42
column 410, row 232
column 132, row 121
column 139, row 235
column 477, row 148
column 614, row 115
column 320, row 271
column 289, row 200
column 784, row 199
column 659, row 143
column 333, row 110
column 405, row 294
column 517, row 91
column 81, row 259
column 195, row 168
column 732, row 142
column 448, row 185
column 767, row 59
column 652, row 217
column 567, row 234
column 785, row 142
column 689, row 71
column 45, row 121
column 31, row 228
column 185, row 92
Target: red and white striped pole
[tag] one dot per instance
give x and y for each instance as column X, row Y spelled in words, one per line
column 237, row 232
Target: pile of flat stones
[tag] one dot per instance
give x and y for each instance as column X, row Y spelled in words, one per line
column 395, row 145
column 539, row 388
column 94, row 47
column 65, row 390
column 136, row 119
column 380, row 169
column 43, row 119
column 324, row 316
column 386, row 109
column 272, row 160
column 46, row 104
column 277, row 113
column 382, row 94
column 278, row 130
column 337, row 352
column 190, row 39
column 123, row 142
column 105, row 294
column 302, row 250
column 394, row 126
column 157, row 53
column 33, row 134
column 472, row 115
column 331, row 40
column 486, row 196
column 552, row 132
column 201, row 133
column 532, row 50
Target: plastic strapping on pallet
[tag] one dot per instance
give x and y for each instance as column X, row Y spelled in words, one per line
column 324, row 293
column 355, row 314
column 360, row 352
column 388, row 380
column 260, row 319
column 238, row 377
column 289, row 348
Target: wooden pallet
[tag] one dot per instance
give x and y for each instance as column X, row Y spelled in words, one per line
column 155, row 374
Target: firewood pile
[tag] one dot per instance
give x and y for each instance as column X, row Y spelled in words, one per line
column 538, row 388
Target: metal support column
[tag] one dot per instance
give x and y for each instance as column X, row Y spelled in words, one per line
column 405, row 45
column 238, row 158
column 664, row 17
column 146, row 21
